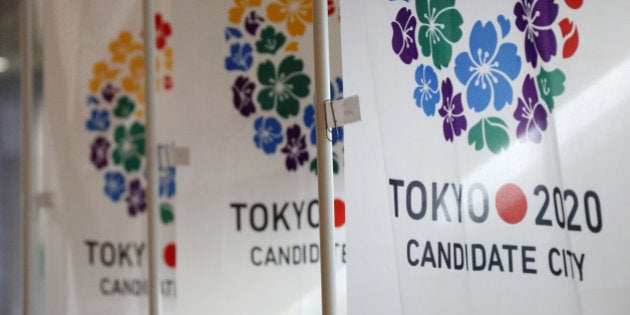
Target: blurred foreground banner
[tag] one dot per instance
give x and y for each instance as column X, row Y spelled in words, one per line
column 249, row 238
column 498, row 182
column 94, row 158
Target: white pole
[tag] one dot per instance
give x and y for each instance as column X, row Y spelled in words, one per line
column 151, row 155
column 26, row 100
column 324, row 158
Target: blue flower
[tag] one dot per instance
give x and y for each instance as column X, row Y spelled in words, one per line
column 99, row 120
column 309, row 121
column 268, row 134
column 487, row 68
column 114, row 185
column 167, row 182
column 427, row 93
column 240, row 57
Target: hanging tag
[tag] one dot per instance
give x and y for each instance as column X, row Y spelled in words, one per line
column 44, row 199
column 344, row 111
column 180, row 156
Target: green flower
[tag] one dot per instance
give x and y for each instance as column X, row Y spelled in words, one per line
column 491, row 132
column 270, row 41
column 550, row 85
column 283, row 89
column 129, row 146
column 166, row 213
column 439, row 29
column 125, row 108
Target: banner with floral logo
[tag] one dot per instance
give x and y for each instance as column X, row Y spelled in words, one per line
column 94, row 159
column 497, row 180
column 250, row 243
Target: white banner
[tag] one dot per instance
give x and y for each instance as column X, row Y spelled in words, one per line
column 503, row 145
column 249, row 244
column 94, row 158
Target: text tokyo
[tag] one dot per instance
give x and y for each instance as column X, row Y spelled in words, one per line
column 565, row 209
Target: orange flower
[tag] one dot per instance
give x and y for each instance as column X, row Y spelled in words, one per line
column 101, row 71
column 236, row 13
column 134, row 83
column 168, row 59
column 295, row 12
column 123, row 46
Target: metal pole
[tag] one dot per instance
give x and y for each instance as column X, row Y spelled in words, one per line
column 151, row 155
column 26, row 103
column 325, row 183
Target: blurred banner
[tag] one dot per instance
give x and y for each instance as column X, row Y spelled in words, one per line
column 249, row 237
column 94, row 184
column 497, row 184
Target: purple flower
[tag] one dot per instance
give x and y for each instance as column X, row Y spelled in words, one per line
column 242, row 91
column 404, row 38
column 252, row 22
column 452, row 111
column 99, row 152
column 109, row 91
column 295, row 149
column 136, row 199
column 536, row 18
column 530, row 113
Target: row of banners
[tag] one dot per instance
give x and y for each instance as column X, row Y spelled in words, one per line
column 485, row 178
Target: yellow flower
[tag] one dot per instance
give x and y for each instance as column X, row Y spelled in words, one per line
column 101, row 71
column 123, row 46
column 168, row 59
column 295, row 12
column 134, row 82
column 236, row 12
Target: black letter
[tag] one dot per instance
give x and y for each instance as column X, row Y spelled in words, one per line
column 396, row 183
column 419, row 215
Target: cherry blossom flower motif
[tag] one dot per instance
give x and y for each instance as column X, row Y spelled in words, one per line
column 530, row 113
column 101, row 72
column 453, row 112
column 109, row 92
column 252, row 22
column 163, row 31
column 167, row 182
column 114, row 185
column 440, row 28
column 427, row 93
column 488, row 68
column 99, row 152
column 124, row 46
column 295, row 149
column 242, row 91
column 130, row 145
column 295, row 12
column 309, row 122
column 136, row 199
column 404, row 37
column 240, row 57
column 536, row 18
column 99, row 121
column 268, row 134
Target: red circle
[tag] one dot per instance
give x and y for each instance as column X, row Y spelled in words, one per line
column 511, row 203
column 340, row 213
column 169, row 255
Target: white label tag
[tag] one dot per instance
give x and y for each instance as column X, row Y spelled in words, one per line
column 181, row 156
column 44, row 199
column 344, row 111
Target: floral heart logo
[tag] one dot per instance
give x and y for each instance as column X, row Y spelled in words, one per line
column 115, row 104
column 493, row 74
column 270, row 85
